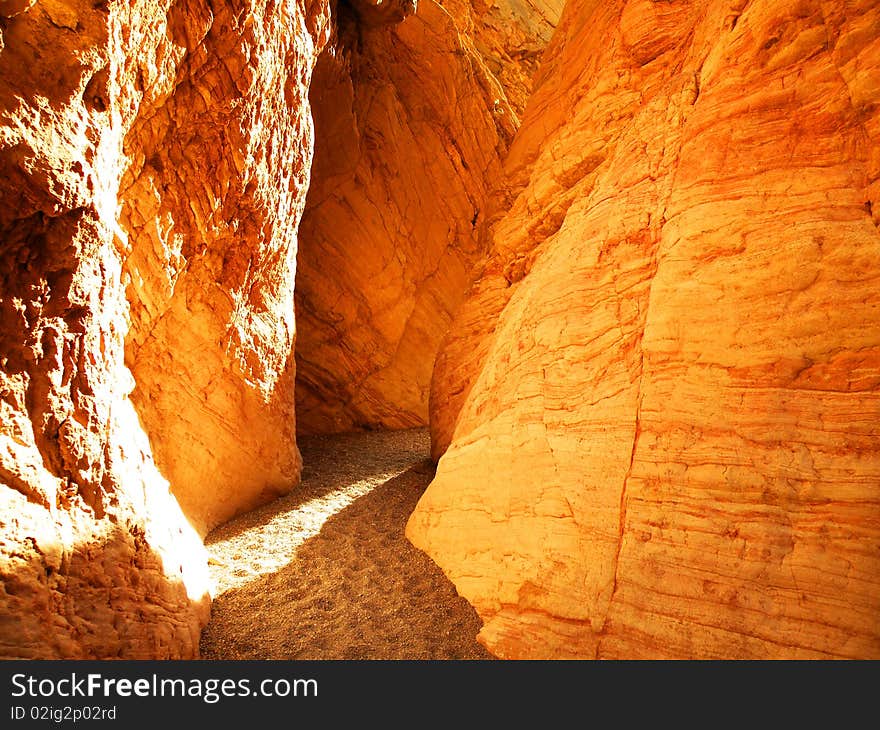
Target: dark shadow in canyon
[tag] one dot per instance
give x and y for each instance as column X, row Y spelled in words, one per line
column 356, row 590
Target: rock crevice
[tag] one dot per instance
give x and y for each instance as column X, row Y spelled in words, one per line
column 412, row 124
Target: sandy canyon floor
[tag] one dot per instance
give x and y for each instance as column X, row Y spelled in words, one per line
column 327, row 573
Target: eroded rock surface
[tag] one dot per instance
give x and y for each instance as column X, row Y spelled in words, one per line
column 211, row 200
column 153, row 166
column 661, row 399
column 412, row 123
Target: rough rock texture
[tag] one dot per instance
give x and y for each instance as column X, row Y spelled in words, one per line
column 153, row 166
column 219, row 166
column 663, row 394
column 412, row 122
column 510, row 36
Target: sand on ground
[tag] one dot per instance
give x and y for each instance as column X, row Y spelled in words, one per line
column 327, row 573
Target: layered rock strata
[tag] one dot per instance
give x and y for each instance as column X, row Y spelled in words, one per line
column 658, row 408
column 412, row 123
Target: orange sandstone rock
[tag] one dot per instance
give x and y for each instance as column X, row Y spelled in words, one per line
column 661, row 400
column 154, row 160
column 412, row 122
column 216, row 184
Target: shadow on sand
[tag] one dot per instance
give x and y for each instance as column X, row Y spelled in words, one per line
column 356, row 590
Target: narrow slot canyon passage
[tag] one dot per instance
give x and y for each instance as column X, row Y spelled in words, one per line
column 620, row 258
column 382, row 263
column 326, row 571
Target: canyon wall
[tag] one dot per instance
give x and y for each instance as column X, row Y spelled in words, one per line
column 660, row 402
column 218, row 168
column 657, row 407
column 412, row 124
column 154, row 162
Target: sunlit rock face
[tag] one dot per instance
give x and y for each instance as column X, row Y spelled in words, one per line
column 154, row 161
column 412, row 123
column 211, row 200
column 376, row 13
column 660, row 403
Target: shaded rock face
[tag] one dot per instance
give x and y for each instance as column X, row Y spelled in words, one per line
column 660, row 403
column 153, row 166
column 412, row 123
